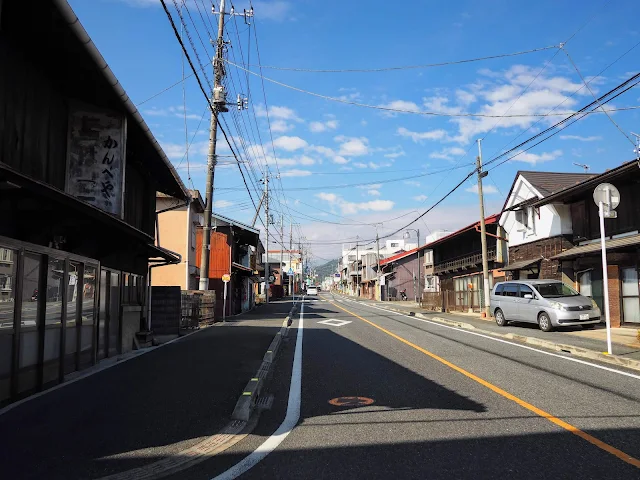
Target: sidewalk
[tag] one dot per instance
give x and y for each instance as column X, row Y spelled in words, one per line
column 138, row 412
column 625, row 344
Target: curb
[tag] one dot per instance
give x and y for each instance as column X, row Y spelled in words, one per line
column 538, row 342
column 247, row 401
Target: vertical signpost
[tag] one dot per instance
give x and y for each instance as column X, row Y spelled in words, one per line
column 607, row 197
column 225, row 278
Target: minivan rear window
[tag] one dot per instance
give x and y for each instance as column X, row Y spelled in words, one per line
column 498, row 290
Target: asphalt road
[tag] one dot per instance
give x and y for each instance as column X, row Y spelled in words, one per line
column 446, row 404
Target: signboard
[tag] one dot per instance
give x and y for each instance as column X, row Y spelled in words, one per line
column 226, row 277
column 96, row 157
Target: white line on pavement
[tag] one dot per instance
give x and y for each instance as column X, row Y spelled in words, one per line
column 290, row 420
column 626, row 374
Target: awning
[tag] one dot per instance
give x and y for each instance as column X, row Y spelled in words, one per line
column 613, row 244
column 521, row 265
column 241, row 269
column 162, row 254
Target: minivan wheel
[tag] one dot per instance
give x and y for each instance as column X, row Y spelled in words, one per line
column 544, row 322
column 500, row 320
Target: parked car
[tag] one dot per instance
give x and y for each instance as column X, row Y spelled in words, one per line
column 549, row 303
column 312, row 290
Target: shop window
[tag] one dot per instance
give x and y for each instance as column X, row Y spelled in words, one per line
column 7, row 302
column 55, row 273
column 88, row 316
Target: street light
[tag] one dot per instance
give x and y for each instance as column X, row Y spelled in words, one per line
column 415, row 292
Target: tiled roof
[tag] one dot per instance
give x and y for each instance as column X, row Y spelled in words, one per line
column 548, row 183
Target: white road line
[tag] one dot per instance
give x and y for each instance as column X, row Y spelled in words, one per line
column 290, row 420
column 626, row 374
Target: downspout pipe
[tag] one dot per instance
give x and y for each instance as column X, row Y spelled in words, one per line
column 74, row 23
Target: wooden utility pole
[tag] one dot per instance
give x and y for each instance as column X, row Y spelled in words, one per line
column 218, row 102
column 290, row 262
column 483, row 234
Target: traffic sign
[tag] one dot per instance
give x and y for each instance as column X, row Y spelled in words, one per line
column 290, row 272
column 226, row 277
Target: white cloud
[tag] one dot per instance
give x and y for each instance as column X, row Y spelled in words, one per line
column 448, row 153
column 399, row 105
column 305, row 160
column 350, row 94
column 412, row 183
column 464, row 97
column 420, row 198
column 317, row 127
column 516, row 91
column 296, row 173
column 339, row 160
column 401, row 153
column 222, row 204
column 281, row 126
column 486, row 189
column 352, row 146
column 360, row 165
column 374, row 193
column 326, row 151
column 580, row 138
column 350, row 208
column 533, row 158
column 419, row 136
column 278, row 113
column 375, row 186
column 276, row 10
column 289, row 143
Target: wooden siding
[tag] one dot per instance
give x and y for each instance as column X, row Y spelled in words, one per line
column 403, row 277
column 219, row 256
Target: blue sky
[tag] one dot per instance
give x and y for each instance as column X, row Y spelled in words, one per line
column 322, row 144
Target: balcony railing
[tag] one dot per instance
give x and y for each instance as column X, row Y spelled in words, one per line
column 463, row 263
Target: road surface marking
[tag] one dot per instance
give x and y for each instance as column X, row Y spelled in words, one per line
column 489, row 337
column 334, row 322
column 290, row 420
column 555, row 420
column 351, row 401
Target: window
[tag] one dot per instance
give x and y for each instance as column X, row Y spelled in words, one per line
column 556, row 290
column 630, row 295
column 351, row 258
column 394, row 244
column 584, row 279
column 498, row 290
column 526, row 290
column 510, row 290
column 6, row 255
column 193, row 238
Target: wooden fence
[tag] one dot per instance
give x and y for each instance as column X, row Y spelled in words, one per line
column 453, row 301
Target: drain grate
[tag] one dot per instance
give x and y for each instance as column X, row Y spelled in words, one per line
column 265, row 402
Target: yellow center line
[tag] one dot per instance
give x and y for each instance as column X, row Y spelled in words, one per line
column 561, row 423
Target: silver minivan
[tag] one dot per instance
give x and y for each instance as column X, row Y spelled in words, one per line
column 549, row 303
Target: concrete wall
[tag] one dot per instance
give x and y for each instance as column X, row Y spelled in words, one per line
column 130, row 325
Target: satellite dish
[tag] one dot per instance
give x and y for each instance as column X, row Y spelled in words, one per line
column 607, row 194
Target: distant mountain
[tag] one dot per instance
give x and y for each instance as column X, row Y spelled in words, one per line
column 327, row 269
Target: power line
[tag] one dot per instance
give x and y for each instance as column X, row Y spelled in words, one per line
column 594, row 97
column 406, row 67
column 415, row 112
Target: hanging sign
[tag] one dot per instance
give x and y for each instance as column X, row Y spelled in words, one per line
column 96, row 157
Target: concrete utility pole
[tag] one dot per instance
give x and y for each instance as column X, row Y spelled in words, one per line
column 266, row 227
column 379, row 287
column 483, row 234
column 281, row 250
column 218, row 101
column 290, row 262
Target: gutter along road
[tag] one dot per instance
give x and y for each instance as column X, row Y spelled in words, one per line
column 385, row 395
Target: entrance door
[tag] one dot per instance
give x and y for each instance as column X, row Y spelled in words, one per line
column 103, row 314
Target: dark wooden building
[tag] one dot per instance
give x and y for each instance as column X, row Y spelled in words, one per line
column 580, row 260
column 79, row 171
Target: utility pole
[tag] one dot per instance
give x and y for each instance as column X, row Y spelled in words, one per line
column 419, row 270
column 357, row 267
column 378, row 255
column 483, row 234
column 290, row 262
column 266, row 227
column 281, row 250
column 218, row 102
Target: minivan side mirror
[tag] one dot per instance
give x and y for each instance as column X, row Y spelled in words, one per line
column 528, row 296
